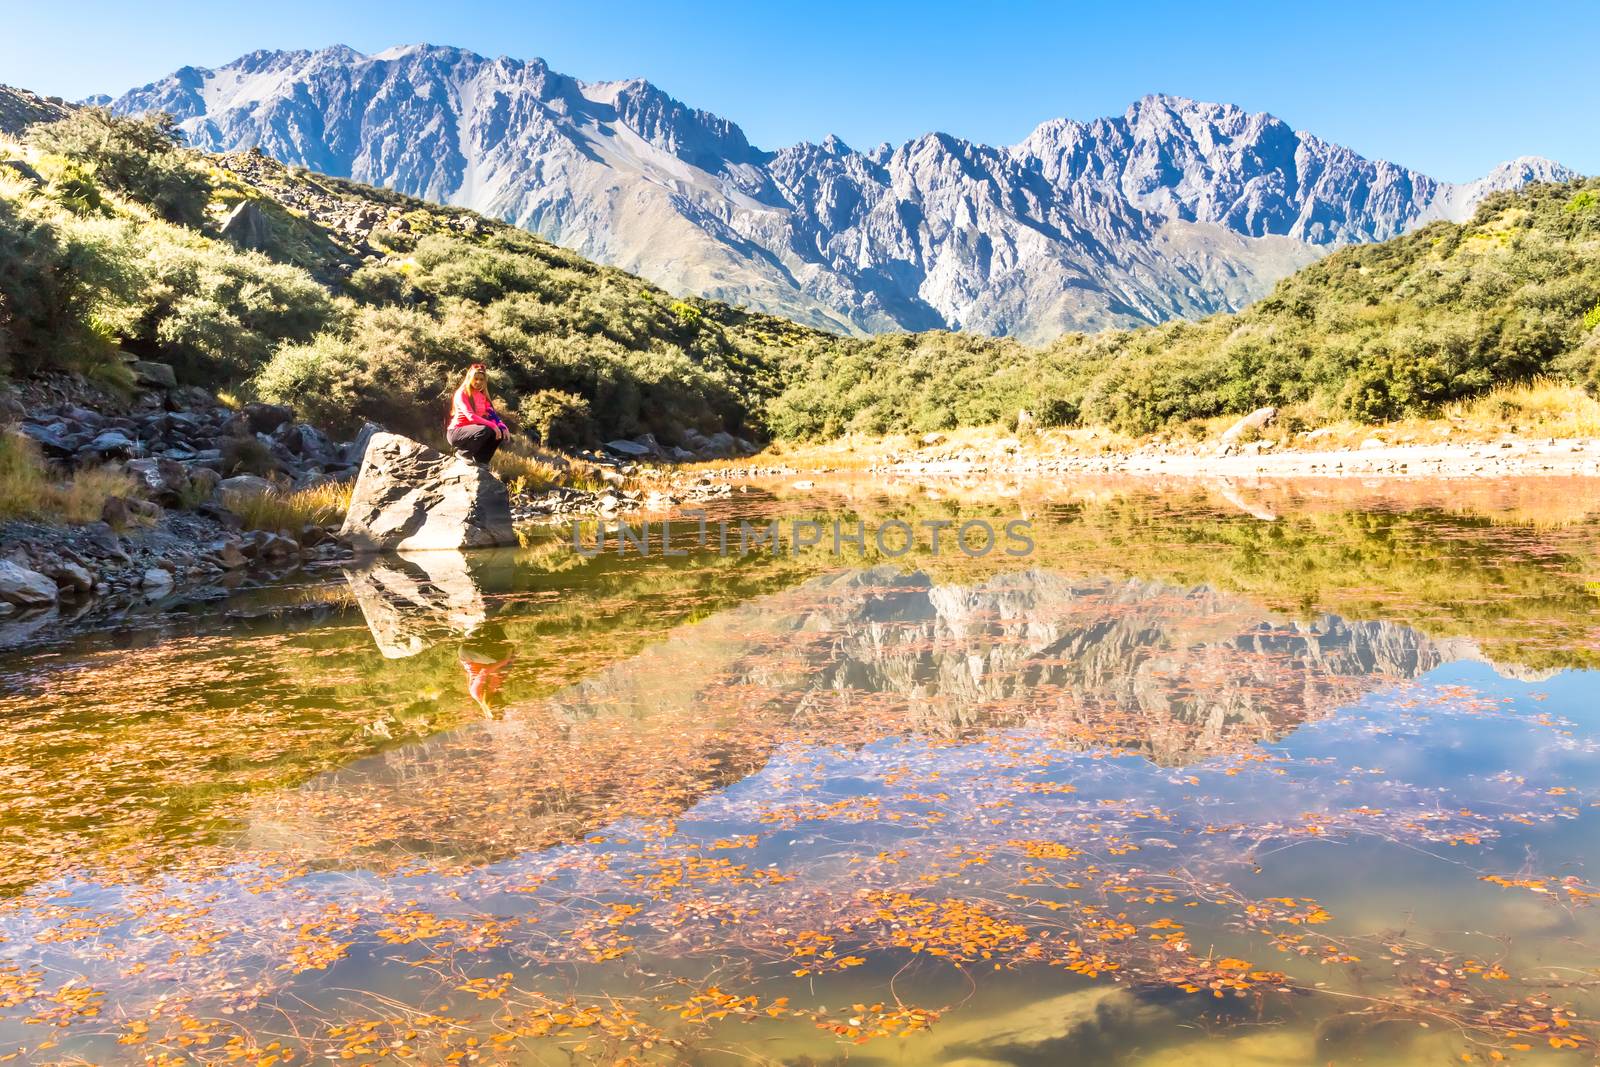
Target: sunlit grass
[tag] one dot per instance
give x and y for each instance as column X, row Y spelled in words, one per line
column 27, row 490
column 1543, row 408
column 526, row 469
column 22, row 477
column 522, row 471
column 319, row 505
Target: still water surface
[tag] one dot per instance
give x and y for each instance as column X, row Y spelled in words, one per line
column 1264, row 775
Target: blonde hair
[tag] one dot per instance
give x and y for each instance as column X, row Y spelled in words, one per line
column 466, row 381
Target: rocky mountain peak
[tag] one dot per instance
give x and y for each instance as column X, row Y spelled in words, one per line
column 1523, row 170
column 695, row 136
column 1176, row 207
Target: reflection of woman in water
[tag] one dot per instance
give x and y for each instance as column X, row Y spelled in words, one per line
column 487, row 657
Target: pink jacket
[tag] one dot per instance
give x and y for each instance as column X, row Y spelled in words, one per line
column 473, row 409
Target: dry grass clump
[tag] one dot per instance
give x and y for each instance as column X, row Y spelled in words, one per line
column 22, row 477
column 318, row 505
column 526, row 469
column 27, row 490
column 1543, row 407
column 83, row 498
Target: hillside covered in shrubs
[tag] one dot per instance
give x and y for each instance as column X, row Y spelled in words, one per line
column 348, row 302
column 354, row 303
column 1371, row 333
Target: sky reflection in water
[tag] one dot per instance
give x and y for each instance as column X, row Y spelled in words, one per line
column 1134, row 800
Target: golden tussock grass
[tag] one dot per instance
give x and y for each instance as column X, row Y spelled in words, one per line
column 1541, row 408
column 526, row 469
column 27, row 490
column 319, row 505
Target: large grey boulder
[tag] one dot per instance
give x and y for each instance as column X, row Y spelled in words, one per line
column 164, row 480
column 358, row 447
column 25, row 588
column 303, row 439
column 1252, row 423
column 155, row 375
column 110, row 444
column 72, row 579
column 52, row 439
column 227, row 554
column 632, row 449
column 247, row 227
column 266, row 545
column 410, row 498
column 203, row 481
column 264, row 418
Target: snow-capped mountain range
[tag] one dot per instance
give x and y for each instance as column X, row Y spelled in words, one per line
column 1175, row 208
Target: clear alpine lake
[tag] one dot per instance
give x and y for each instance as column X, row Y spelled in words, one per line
column 1284, row 773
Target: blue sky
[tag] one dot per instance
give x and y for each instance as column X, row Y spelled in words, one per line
column 1450, row 89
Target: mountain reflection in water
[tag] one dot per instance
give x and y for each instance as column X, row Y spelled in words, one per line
column 1211, row 780
column 1133, row 666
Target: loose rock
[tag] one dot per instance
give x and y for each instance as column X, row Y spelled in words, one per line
column 25, row 588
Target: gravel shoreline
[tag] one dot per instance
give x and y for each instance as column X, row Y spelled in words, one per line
column 1508, row 458
column 1498, row 460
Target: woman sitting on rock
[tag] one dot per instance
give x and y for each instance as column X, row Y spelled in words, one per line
column 474, row 430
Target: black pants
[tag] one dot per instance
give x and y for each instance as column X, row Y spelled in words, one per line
column 479, row 442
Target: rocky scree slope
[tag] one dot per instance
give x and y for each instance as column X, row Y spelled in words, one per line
column 21, row 108
column 1174, row 209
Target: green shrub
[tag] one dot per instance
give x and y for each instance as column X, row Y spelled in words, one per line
column 137, row 157
column 391, row 365
column 686, row 313
column 247, row 455
column 557, row 418
column 74, row 188
column 58, row 289
column 219, row 313
column 452, row 266
column 1581, row 366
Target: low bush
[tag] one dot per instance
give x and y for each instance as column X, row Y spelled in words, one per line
column 557, row 418
column 141, row 158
